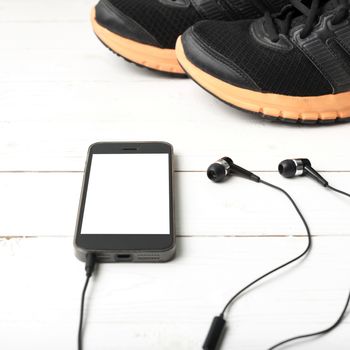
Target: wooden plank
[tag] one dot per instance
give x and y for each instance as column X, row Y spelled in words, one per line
column 45, row 204
column 68, row 103
column 37, row 11
column 30, row 36
column 170, row 306
column 60, row 143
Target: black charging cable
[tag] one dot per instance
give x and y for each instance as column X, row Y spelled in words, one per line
column 89, row 268
column 218, row 324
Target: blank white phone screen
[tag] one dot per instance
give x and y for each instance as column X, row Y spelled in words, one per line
column 128, row 194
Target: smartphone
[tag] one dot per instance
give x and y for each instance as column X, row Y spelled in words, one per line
column 126, row 205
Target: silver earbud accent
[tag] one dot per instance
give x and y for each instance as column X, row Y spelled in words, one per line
column 299, row 166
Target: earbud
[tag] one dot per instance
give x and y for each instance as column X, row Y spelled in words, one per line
column 219, row 170
column 293, row 167
column 225, row 167
column 290, row 168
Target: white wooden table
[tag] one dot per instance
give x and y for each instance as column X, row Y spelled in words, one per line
column 60, row 91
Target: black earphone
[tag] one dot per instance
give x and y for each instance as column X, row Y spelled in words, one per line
column 290, row 168
column 225, row 167
column 219, row 172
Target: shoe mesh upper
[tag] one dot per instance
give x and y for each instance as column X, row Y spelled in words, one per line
column 276, row 5
column 249, row 9
column 166, row 22
column 276, row 71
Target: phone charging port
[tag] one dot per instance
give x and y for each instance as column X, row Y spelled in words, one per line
column 123, row 257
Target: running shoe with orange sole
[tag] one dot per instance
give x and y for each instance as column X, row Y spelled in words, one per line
column 145, row 31
column 294, row 66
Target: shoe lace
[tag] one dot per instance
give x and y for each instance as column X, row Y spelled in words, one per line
column 298, row 12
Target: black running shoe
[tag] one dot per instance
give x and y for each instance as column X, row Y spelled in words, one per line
column 294, row 66
column 145, row 31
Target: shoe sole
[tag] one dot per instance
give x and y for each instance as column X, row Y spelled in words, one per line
column 162, row 60
column 305, row 110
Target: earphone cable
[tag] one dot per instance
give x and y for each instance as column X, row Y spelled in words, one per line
column 80, row 342
column 305, row 252
column 338, row 191
column 289, row 168
column 342, row 315
column 89, row 268
column 327, row 330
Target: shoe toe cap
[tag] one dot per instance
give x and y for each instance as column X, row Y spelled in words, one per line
column 109, row 16
column 153, row 22
column 205, row 56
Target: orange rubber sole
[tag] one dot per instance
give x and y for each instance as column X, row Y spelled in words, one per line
column 152, row 57
column 325, row 108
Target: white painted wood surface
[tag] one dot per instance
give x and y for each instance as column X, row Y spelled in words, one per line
column 61, row 90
